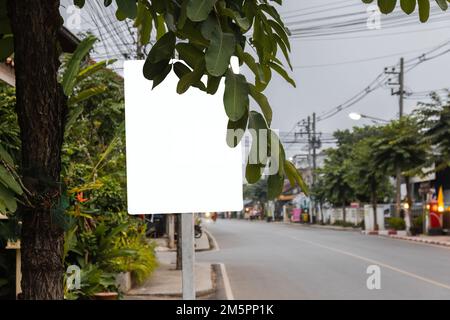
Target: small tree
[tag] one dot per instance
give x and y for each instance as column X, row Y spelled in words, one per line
column 400, row 148
column 434, row 120
column 365, row 176
column 336, row 186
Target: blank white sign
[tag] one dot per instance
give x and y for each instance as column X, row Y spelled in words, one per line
column 178, row 160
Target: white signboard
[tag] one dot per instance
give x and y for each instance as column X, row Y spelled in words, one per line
column 178, row 160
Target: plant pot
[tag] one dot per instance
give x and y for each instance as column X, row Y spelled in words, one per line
column 106, row 296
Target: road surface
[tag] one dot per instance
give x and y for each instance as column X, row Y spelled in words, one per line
column 279, row 261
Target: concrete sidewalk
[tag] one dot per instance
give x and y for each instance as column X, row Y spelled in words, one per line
column 166, row 282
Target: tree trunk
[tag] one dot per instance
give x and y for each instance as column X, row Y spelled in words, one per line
column 398, row 196
column 41, row 110
column 408, row 221
column 179, row 264
column 374, row 207
column 343, row 211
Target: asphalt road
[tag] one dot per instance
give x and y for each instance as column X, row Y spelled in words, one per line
column 278, row 261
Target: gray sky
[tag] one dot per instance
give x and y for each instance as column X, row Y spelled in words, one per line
column 320, row 89
column 324, row 65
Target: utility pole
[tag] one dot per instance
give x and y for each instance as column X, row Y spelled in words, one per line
column 314, row 146
column 308, row 130
column 401, row 81
column 401, row 94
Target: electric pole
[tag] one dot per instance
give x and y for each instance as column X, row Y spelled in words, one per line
column 401, row 94
column 314, row 158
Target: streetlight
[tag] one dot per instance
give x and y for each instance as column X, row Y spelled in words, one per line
column 358, row 116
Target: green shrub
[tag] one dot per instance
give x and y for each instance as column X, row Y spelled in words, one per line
column 396, row 223
column 342, row 223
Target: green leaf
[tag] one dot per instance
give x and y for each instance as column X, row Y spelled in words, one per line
column 8, row 199
column 275, row 185
column 79, row 3
column 189, row 53
column 282, row 73
column 387, row 6
column 160, row 27
column 424, row 10
column 213, row 84
column 408, row 6
column 9, row 182
column 235, row 97
column 73, row 66
column 198, row 10
column 161, row 76
column 86, row 94
column 127, row 7
column 253, row 172
column 259, row 130
column 294, row 175
column 261, row 99
column 5, row 156
column 93, row 69
column 236, row 130
column 163, row 48
column 152, row 70
column 219, row 52
column 192, row 78
column 443, row 4
column 143, row 23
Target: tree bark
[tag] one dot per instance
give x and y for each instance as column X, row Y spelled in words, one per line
column 41, row 110
column 408, row 221
column 398, row 196
column 374, row 207
column 344, row 213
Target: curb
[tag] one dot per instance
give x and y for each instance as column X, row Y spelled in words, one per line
column 213, row 245
column 333, row 228
column 420, row 240
column 400, row 233
column 198, row 293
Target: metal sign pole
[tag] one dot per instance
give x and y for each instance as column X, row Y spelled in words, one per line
column 188, row 255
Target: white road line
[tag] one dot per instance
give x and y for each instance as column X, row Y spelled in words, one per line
column 412, row 275
column 226, row 282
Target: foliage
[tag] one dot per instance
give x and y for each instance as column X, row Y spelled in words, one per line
column 364, row 175
column 345, row 224
column 409, row 6
column 396, row 223
column 400, row 147
column 434, row 120
column 336, row 187
column 10, row 185
column 257, row 191
column 204, row 36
